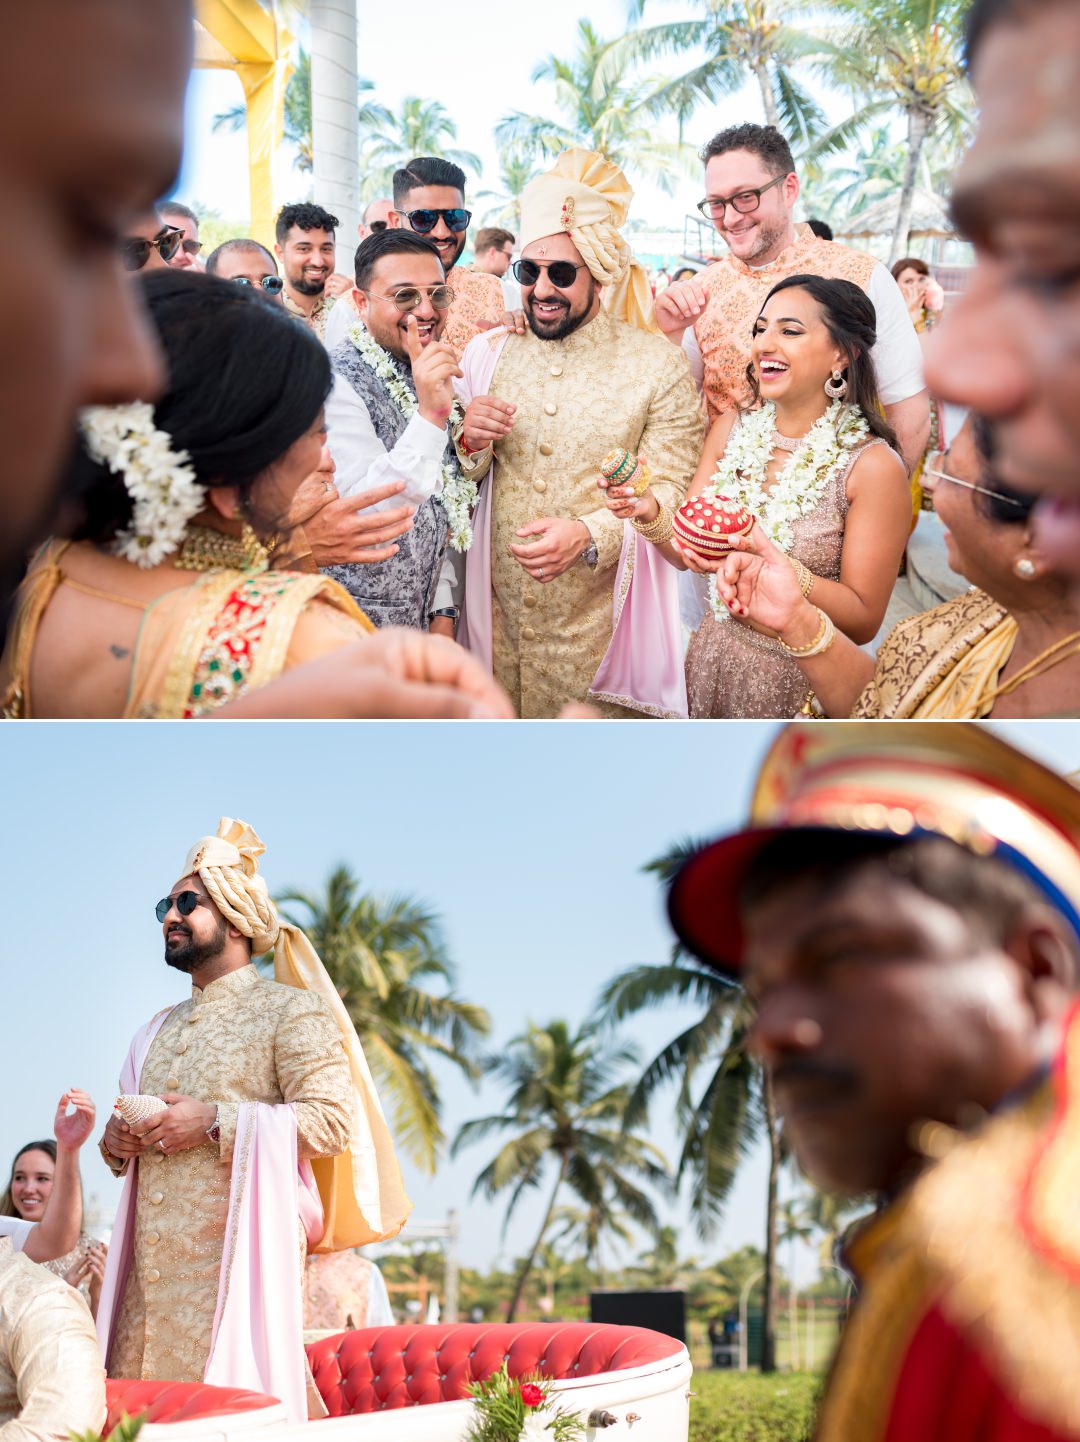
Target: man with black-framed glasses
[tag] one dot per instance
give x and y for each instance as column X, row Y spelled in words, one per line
column 184, row 219
column 751, row 190
column 246, row 262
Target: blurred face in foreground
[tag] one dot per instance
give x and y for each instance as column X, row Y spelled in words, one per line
column 879, row 1007
column 1010, row 347
column 91, row 122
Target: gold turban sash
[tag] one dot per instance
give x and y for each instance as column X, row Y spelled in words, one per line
column 362, row 1190
column 588, row 198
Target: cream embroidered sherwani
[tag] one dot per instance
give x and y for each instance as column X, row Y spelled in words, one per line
column 606, row 384
column 242, row 1038
column 51, row 1378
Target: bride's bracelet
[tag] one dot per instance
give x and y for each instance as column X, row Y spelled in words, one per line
column 803, row 574
column 658, row 530
column 818, row 646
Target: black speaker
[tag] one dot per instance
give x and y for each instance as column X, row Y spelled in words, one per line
column 662, row 1311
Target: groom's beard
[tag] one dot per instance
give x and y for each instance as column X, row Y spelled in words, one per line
column 189, row 955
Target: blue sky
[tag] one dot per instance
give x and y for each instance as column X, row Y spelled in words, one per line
column 478, row 63
column 528, row 839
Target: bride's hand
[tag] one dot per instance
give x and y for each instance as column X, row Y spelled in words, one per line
column 757, row 580
column 622, row 502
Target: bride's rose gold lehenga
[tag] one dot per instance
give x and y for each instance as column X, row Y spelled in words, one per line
column 733, row 671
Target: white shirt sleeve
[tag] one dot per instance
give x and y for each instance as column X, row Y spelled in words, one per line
column 17, row 1230
column 340, row 321
column 897, row 356
column 362, row 460
column 380, row 1313
column 692, row 351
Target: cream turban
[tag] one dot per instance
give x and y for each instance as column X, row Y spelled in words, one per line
column 362, row 1191
column 588, row 198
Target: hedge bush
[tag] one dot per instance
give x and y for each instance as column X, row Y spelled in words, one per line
column 747, row 1407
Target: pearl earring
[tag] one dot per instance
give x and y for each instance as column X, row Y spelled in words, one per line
column 1024, row 568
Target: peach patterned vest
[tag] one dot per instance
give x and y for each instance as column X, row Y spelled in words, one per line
column 736, row 296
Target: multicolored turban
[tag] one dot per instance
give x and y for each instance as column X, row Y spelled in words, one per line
column 890, row 778
column 362, row 1190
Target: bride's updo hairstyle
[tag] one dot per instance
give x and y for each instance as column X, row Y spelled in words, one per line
column 851, row 320
column 245, row 381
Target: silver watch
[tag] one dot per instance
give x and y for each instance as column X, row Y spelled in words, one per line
column 591, row 555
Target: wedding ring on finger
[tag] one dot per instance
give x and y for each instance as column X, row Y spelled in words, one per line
column 161, row 1143
column 540, row 574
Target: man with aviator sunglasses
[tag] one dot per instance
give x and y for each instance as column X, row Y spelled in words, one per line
column 388, row 419
column 429, row 200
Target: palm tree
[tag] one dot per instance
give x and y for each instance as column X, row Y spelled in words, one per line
column 566, row 1117
column 388, row 140
column 586, row 1228
column 604, row 109
column 740, row 38
column 719, row 1124
column 902, row 55
column 516, row 169
column 383, row 955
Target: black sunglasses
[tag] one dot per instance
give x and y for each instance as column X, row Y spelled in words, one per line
column 561, row 273
column 422, row 221
column 135, row 251
column 184, row 901
column 272, row 283
column 383, row 224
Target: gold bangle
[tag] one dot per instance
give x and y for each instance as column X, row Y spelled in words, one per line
column 818, row 646
column 659, row 529
column 803, row 575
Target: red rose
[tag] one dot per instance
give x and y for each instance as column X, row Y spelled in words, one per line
column 531, row 1394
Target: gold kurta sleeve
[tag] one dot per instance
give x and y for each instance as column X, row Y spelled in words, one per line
column 313, row 1073
column 51, row 1378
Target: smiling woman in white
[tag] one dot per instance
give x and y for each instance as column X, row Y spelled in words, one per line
column 58, row 1230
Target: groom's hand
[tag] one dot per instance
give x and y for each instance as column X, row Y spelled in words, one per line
column 560, row 542
column 120, row 1141
column 183, row 1125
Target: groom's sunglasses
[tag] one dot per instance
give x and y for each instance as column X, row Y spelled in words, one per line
column 561, row 273
column 423, row 221
column 184, row 901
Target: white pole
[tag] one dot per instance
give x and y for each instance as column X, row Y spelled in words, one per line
column 334, row 124
column 452, row 1268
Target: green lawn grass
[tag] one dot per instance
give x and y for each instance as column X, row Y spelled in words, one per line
column 747, row 1407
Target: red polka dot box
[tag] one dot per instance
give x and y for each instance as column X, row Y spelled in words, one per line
column 707, row 527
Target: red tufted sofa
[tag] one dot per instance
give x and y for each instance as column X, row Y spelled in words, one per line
column 379, row 1367
column 367, row 1377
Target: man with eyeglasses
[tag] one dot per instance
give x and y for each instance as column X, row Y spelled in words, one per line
column 247, row 263
column 429, row 199
column 551, row 567
column 387, row 418
column 183, row 219
column 751, row 192
column 257, row 1076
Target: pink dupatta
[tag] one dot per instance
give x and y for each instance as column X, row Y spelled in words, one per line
column 643, row 666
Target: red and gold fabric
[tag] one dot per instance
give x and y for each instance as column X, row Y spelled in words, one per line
column 968, row 1324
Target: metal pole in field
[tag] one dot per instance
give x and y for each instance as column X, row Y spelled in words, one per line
column 334, row 123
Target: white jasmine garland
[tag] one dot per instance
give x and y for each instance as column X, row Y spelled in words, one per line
column 458, row 495
column 159, row 480
column 741, row 472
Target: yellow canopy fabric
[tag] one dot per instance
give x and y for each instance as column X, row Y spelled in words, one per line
column 240, row 35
